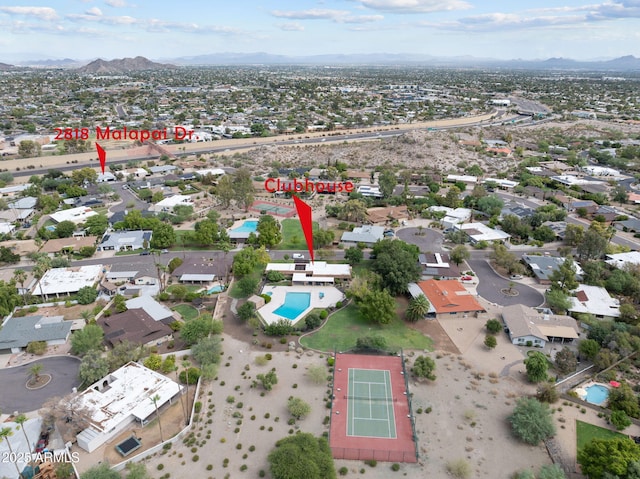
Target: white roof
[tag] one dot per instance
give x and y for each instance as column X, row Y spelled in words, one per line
column 301, row 277
column 463, row 178
column 210, row 171
column 14, row 189
column 594, row 300
column 19, row 446
column 129, row 393
column 150, row 306
column 502, row 182
column 481, row 232
column 68, row 280
column 75, row 215
column 620, row 259
column 197, row 277
column 175, row 201
column 317, row 268
column 6, row 228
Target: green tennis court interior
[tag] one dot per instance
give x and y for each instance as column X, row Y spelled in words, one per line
column 370, row 404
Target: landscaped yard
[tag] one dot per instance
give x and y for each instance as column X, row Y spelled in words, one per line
column 346, row 326
column 292, row 237
column 187, row 311
column 256, row 274
column 586, row 432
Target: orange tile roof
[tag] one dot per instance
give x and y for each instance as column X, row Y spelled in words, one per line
column 449, row 296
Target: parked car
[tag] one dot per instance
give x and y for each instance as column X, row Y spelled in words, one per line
column 164, row 251
column 145, row 253
column 515, row 277
column 297, row 256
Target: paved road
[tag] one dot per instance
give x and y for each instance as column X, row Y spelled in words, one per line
column 16, row 397
column 429, row 240
column 490, row 285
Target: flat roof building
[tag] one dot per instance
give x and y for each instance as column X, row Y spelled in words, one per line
column 65, row 281
column 75, row 215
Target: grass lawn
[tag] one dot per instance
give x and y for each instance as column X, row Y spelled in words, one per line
column 235, row 292
column 187, row 311
column 292, row 237
column 191, row 288
column 346, row 326
column 586, row 432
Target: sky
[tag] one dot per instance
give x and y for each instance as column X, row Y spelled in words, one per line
column 159, row 29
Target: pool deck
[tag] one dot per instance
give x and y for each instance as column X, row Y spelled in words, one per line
column 582, row 393
column 331, row 297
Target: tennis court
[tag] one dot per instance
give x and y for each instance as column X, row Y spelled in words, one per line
column 370, row 404
column 274, row 209
column 371, row 409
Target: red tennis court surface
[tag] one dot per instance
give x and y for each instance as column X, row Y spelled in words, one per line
column 403, row 447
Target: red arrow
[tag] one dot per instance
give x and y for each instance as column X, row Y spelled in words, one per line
column 304, row 214
column 102, row 155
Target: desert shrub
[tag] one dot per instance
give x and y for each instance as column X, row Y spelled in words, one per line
column 37, row 347
column 459, row 468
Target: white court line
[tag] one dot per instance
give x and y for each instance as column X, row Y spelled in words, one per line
column 386, row 393
column 370, row 411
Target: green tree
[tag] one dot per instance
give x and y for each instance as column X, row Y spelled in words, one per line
column 269, row 231
column 243, row 188
column 207, row 350
column 600, row 457
column 96, row 225
column 353, row 255
column 397, row 264
column 573, row 235
column 493, row 326
column 317, row 373
column 163, row 236
column 28, row 149
column 353, row 210
column 605, row 359
column 20, row 276
column 387, row 181
column 589, row 348
column 247, row 311
column 459, row 254
column 592, row 246
column 137, row 470
column 424, row 367
column 65, row 229
column 174, row 264
column 195, row 330
column 268, row 380
column 378, row 306
column 206, row 232
column 566, row 361
column 153, row 362
column 225, row 190
column 505, row 259
column 86, row 295
column 564, row 277
column 120, row 303
column 418, row 308
column 547, row 392
column 490, row 341
column 537, row 367
column 84, row 175
column 623, row 398
column 557, row 300
column 491, row 205
column 302, row 456
column 93, row 367
column 373, row 342
column 154, row 399
column 20, row 419
column 322, row 238
column 247, row 286
column 298, row 408
column 88, row 338
column 620, row 420
column 531, row 421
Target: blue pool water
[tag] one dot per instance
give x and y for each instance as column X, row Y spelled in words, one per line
column 294, row 305
column 249, row 226
column 597, row 394
column 216, row 289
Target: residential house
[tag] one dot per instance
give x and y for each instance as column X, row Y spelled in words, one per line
column 594, row 300
column 318, row 272
column 544, row 266
column 17, row 333
column 631, row 225
column 438, row 266
column 157, row 311
column 480, row 232
column 20, row 449
column 558, row 227
column 447, row 299
column 58, row 282
column 125, row 240
column 368, row 234
column 68, row 245
column 75, row 215
column 619, row 260
column 135, row 326
column 120, row 399
column 162, row 169
column 189, row 272
column 528, row 327
column 387, row 214
column 7, row 228
column 168, row 204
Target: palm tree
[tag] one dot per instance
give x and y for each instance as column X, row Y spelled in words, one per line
column 35, row 371
column 418, row 308
column 20, row 276
column 155, row 400
column 5, row 432
column 20, row 420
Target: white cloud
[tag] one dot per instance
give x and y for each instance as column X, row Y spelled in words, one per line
column 108, row 20
column 291, row 27
column 415, row 6
column 43, row 13
column 116, row 3
column 337, row 16
column 94, row 11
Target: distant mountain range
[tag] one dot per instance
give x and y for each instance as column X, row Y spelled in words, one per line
column 122, row 66
column 625, row 63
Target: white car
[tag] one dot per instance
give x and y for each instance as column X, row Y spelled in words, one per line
column 297, row 256
column 515, row 277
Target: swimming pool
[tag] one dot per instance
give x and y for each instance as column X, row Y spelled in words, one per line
column 294, row 305
column 597, row 394
column 218, row 288
column 249, row 226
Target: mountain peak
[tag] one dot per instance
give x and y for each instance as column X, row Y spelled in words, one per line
column 123, row 65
